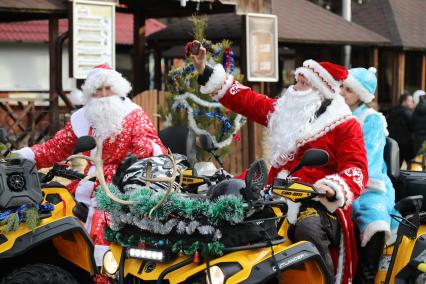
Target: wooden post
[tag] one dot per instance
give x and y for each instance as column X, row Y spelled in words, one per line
column 375, row 64
column 53, row 77
column 157, row 67
column 423, row 81
column 139, row 73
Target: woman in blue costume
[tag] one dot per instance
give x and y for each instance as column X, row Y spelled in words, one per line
column 371, row 210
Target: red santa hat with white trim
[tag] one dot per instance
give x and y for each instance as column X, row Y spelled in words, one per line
column 324, row 76
column 104, row 75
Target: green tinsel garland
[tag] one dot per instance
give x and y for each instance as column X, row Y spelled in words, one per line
column 228, row 208
column 214, row 248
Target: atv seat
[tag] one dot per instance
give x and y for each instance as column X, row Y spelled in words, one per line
column 180, row 140
column 391, row 157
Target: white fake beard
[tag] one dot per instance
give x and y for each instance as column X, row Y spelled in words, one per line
column 289, row 122
column 106, row 116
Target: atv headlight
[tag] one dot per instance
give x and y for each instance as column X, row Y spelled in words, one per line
column 151, row 254
column 216, row 274
column 109, row 263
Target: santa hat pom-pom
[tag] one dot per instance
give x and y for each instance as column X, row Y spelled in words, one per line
column 76, row 97
column 372, row 70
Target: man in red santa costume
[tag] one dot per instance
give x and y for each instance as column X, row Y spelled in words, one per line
column 310, row 114
column 112, row 118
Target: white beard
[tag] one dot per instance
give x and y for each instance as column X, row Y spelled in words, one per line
column 106, row 116
column 289, row 122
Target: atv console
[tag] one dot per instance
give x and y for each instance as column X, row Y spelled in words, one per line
column 19, row 183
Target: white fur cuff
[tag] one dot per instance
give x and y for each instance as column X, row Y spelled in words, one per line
column 226, row 85
column 343, row 194
column 215, row 81
column 375, row 185
column 26, row 153
column 373, row 228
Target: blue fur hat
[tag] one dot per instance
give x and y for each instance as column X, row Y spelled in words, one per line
column 363, row 82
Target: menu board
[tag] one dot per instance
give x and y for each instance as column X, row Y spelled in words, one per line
column 93, row 36
column 262, row 48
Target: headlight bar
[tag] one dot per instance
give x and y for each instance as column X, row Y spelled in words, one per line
column 151, row 254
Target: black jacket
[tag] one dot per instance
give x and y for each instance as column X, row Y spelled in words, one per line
column 400, row 124
column 419, row 124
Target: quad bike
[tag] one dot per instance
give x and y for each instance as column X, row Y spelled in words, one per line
column 58, row 249
column 266, row 256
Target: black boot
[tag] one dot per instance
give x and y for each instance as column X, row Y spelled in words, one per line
column 368, row 260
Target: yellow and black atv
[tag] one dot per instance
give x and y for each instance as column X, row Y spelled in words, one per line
column 404, row 262
column 42, row 235
column 151, row 246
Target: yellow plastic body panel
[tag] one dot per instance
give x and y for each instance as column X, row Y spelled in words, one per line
column 309, row 272
column 72, row 246
column 405, row 251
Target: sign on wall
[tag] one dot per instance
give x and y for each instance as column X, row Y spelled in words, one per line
column 262, row 47
column 93, row 36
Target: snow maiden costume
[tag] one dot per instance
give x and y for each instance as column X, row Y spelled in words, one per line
column 301, row 120
column 122, row 127
column 371, row 211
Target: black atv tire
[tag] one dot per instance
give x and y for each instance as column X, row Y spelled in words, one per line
column 39, row 273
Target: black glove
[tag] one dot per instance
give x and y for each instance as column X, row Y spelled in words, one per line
column 129, row 160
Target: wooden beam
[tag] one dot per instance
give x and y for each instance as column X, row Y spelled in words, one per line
column 53, row 97
column 139, row 73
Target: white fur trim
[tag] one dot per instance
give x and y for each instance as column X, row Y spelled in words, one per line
column 99, row 76
column 343, row 194
column 370, row 111
column 392, row 238
column 319, row 77
column 340, row 261
column 292, row 211
column 156, row 149
column 76, row 97
column 374, row 227
column 375, row 185
column 215, row 81
column 99, row 253
column 363, row 94
column 283, row 174
column 226, row 85
column 336, row 113
column 26, row 153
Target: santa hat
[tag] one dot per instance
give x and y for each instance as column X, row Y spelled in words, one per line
column 104, row 75
column 363, row 83
column 324, row 76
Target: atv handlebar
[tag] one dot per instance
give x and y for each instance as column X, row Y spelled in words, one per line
column 62, row 171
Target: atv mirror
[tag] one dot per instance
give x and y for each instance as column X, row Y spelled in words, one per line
column 207, row 143
column 83, row 144
column 3, row 136
column 312, row 157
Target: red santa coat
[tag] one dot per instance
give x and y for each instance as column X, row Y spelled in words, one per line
column 137, row 136
column 335, row 131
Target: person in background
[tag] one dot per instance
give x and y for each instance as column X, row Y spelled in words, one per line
column 419, row 123
column 400, row 127
column 371, row 210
